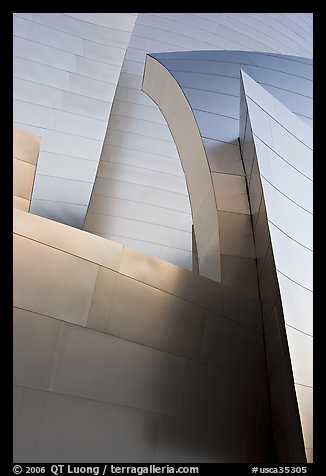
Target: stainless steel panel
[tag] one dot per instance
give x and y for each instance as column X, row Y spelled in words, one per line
column 101, row 367
column 292, row 259
column 170, row 278
column 84, row 245
column 284, row 177
column 292, row 150
column 139, row 175
column 28, row 16
column 240, row 273
column 260, row 122
column 197, row 289
column 268, row 285
column 171, row 218
column 233, row 348
column 248, row 148
column 91, row 87
column 275, row 340
column 301, row 352
column 283, row 399
column 258, row 447
column 66, row 167
column 40, row 73
column 138, row 126
column 69, row 144
column 138, row 111
column 25, row 146
column 123, row 21
column 287, row 216
column 97, row 70
column 223, row 157
column 84, row 28
column 47, row 36
column 275, row 78
column 283, row 64
column 16, row 400
column 213, row 126
column 204, row 394
column 190, row 440
column 288, row 442
column 236, row 236
column 27, row 113
column 231, row 193
column 129, row 140
column 68, row 213
column 35, row 340
column 305, row 403
column 102, row 298
column 243, row 117
column 208, row 67
column 297, row 304
column 106, row 54
column 79, row 125
column 255, row 191
column 36, row 93
column 21, row 203
column 23, row 179
column 87, row 106
column 27, row 430
column 212, row 102
column 294, row 124
column 173, row 255
column 62, row 190
column 133, row 95
column 152, row 317
column 208, row 82
column 262, row 236
column 37, row 289
column 44, row 54
column 112, row 153
column 298, row 104
column 110, row 206
column 86, row 431
column 254, row 91
column 157, row 233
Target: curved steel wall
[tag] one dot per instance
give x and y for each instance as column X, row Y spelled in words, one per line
column 282, row 143
column 66, row 68
column 140, row 196
column 280, row 167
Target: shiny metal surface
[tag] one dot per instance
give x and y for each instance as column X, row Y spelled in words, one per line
column 133, row 372
column 236, row 235
column 37, row 290
column 159, row 84
column 35, row 343
column 228, row 345
column 69, row 361
column 284, row 156
column 154, row 318
column 231, row 193
column 207, row 77
column 55, row 235
column 155, row 390
column 66, row 71
column 25, row 156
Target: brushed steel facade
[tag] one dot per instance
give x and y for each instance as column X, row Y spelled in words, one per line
column 66, row 68
column 121, row 355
